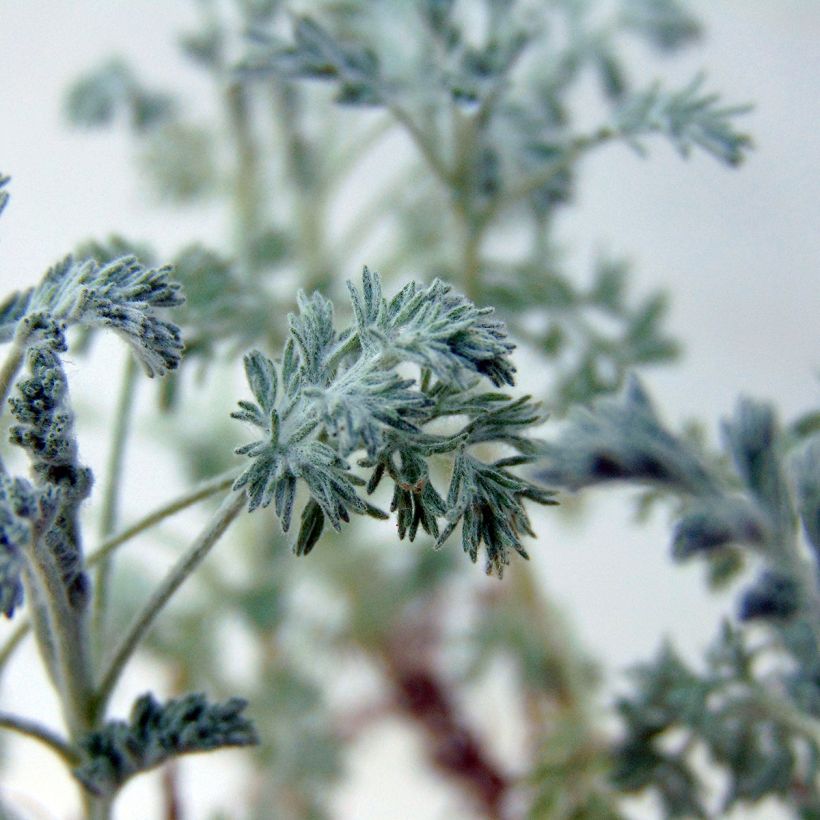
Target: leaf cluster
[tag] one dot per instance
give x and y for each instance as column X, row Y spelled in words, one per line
column 123, row 296
column 763, row 733
column 157, row 732
column 112, row 90
column 336, row 392
column 759, row 739
column 45, row 430
column 593, row 336
column 485, row 91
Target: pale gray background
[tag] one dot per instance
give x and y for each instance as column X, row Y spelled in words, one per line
column 738, row 250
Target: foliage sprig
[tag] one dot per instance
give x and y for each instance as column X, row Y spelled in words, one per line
column 157, row 732
column 765, row 733
column 336, row 392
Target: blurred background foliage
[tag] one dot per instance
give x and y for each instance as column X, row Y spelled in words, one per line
column 425, row 138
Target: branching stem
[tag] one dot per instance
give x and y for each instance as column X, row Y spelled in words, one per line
column 202, row 491
column 110, row 507
column 34, row 729
column 66, row 631
column 230, row 508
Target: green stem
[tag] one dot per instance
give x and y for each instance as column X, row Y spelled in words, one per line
column 97, row 808
column 63, row 637
column 247, row 196
column 14, row 640
column 304, row 173
column 11, row 367
column 35, row 730
column 471, row 232
column 424, row 145
column 116, row 461
column 200, row 492
column 230, row 508
column 469, row 214
column 8, row 374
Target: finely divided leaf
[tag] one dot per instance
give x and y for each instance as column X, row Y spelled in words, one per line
column 158, row 732
column 122, row 295
column 688, row 118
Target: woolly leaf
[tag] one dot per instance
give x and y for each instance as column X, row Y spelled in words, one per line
column 19, row 514
column 686, row 117
column 753, row 439
column 773, row 595
column 488, row 500
column 363, row 401
column 11, row 311
column 96, row 99
column 123, row 296
column 435, row 328
column 667, row 24
column 158, row 732
column 177, row 159
column 341, row 393
column 807, row 476
column 715, row 522
column 622, row 440
column 45, row 430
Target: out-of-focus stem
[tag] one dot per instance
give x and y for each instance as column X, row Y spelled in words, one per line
column 35, row 730
column 116, row 460
column 178, row 574
column 247, row 178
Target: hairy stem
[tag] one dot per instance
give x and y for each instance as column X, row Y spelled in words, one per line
column 202, row 491
column 230, row 508
column 35, row 730
column 247, row 178
column 305, row 179
column 13, row 641
column 11, row 367
column 8, row 374
column 111, row 498
column 63, row 636
column 97, row 808
column 424, row 144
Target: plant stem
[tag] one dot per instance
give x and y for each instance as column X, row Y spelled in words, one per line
column 203, row 490
column 247, row 199
column 227, row 512
column 33, row 729
column 424, row 145
column 108, row 520
column 63, row 637
column 20, row 631
column 304, row 173
column 8, row 374
column 97, row 808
